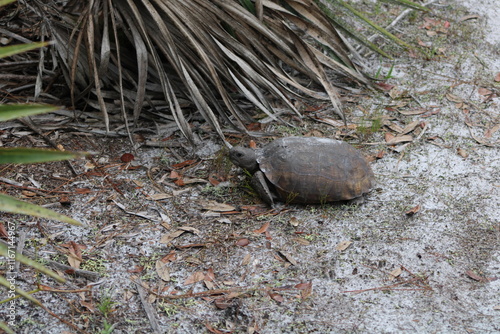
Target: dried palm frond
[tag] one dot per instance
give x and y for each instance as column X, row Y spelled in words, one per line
column 207, row 54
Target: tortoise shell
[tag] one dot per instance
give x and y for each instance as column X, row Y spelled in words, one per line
column 314, row 170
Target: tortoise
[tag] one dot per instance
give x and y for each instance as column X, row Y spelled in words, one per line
column 305, row 170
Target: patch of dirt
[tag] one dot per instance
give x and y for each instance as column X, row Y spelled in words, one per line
column 420, row 255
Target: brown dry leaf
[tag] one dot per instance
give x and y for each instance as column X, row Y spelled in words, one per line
column 463, row 153
column 262, row 229
column 183, row 164
column 484, row 91
column 384, row 86
column 489, row 132
column 400, row 139
column 179, row 182
column 410, row 127
column 74, row 253
column 395, row 273
column 246, row 259
column 162, row 270
column 167, row 238
column 454, row 98
column 479, row 278
column 214, row 180
column 3, row 231
column 170, row 257
column 242, row 242
column 302, row 241
column 343, row 245
column 468, row 17
column 393, row 126
column 305, row 289
column 396, row 93
column 174, row 175
column 88, row 305
column 413, row 210
column 497, row 77
column 197, row 276
column 288, row 257
column 216, row 206
column 27, row 193
column 412, row 112
column 222, row 303
column 160, row 196
column 189, row 229
column 210, row 275
column 276, row 297
column 252, row 144
column 388, row 137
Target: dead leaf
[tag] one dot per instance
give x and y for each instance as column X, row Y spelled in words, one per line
column 410, row 127
column 190, row 229
column 413, row 210
column 288, row 257
column 127, row 157
column 88, row 305
column 179, row 182
column 412, row 112
column 380, row 154
column 210, row 275
column 305, row 290
column 262, row 229
column 302, row 241
column 160, row 196
column 214, row 180
column 497, row 77
column 489, row 132
column 484, row 91
column 242, row 242
column 463, row 153
column 252, row 144
column 3, row 231
column 170, row 257
column 395, row 273
column 343, row 245
column 246, row 260
column 27, row 193
column 197, row 276
column 454, row 98
column 183, row 164
column 276, row 297
column 167, row 238
column 216, row 206
column 385, row 86
column 468, row 17
column 174, row 175
column 222, row 303
column 399, row 139
column 162, row 270
column 74, row 253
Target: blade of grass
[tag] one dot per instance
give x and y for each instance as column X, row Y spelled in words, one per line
column 12, row 205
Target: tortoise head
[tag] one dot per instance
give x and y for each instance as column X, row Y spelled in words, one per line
column 244, row 158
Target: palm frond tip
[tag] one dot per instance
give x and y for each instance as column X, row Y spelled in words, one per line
column 211, row 53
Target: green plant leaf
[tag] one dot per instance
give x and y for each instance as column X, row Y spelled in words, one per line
column 12, row 111
column 32, row 263
column 5, row 2
column 12, row 205
column 25, row 155
column 11, row 50
column 7, row 330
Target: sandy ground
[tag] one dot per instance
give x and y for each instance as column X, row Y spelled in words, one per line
column 421, row 255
